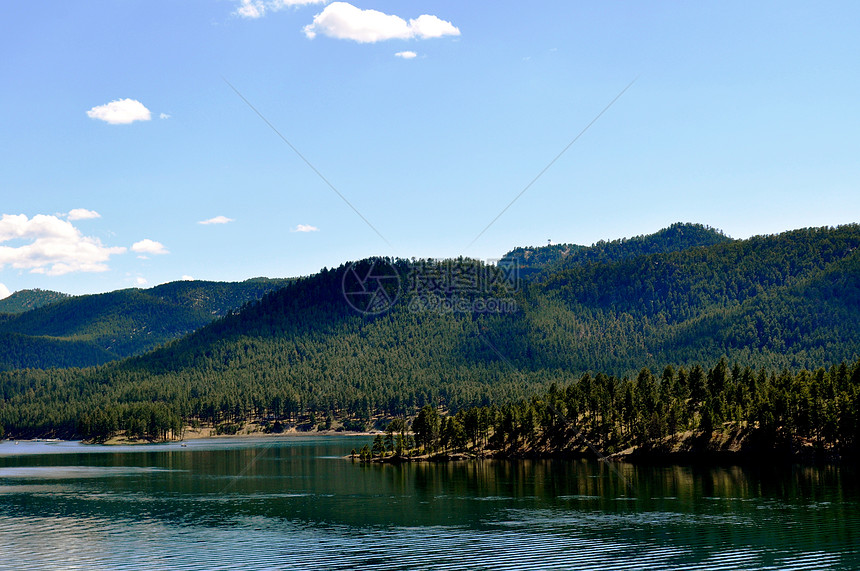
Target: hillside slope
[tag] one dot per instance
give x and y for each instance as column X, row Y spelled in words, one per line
column 28, row 299
column 122, row 323
column 539, row 262
column 29, row 352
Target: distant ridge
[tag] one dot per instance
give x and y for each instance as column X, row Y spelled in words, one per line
column 121, row 323
column 533, row 261
column 28, row 299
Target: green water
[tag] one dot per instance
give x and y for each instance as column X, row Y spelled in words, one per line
column 297, row 504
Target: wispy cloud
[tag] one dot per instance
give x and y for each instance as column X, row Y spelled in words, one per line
column 82, row 214
column 406, row 55
column 217, row 220
column 344, row 21
column 120, row 112
column 254, row 9
column 140, row 281
column 147, row 246
column 163, row 116
column 54, row 246
column 305, row 228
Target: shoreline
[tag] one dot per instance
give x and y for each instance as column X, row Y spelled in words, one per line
column 733, row 447
column 207, row 434
column 745, row 458
column 196, row 435
column 739, row 446
column 49, row 446
column 654, row 456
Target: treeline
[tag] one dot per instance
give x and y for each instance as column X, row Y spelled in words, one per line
column 772, row 412
column 139, row 421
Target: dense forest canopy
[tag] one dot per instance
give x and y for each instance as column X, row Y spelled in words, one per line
column 695, row 413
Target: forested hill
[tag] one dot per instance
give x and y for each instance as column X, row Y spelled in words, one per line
column 537, row 262
column 785, row 301
column 788, row 300
column 28, row 299
column 93, row 329
column 215, row 298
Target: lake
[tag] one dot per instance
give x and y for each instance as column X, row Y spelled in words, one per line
column 296, row 503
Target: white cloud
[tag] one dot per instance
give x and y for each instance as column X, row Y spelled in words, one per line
column 140, row 281
column 346, row 22
column 217, row 220
column 406, row 55
column 251, row 9
column 187, row 278
column 147, row 246
column 4, row 291
column 254, row 9
column 82, row 214
column 427, row 26
column 163, row 116
column 305, row 228
column 120, row 112
column 55, row 246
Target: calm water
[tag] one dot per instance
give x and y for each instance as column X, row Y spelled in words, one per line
column 296, row 504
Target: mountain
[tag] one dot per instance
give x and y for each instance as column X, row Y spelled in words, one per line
column 28, row 299
column 782, row 301
column 119, row 324
column 537, row 262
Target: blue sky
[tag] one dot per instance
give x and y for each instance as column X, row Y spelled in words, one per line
column 120, row 134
